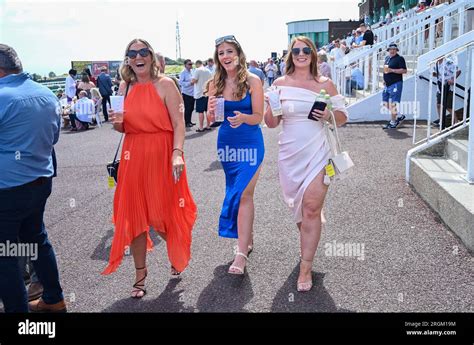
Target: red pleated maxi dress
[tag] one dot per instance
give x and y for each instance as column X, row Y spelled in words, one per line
column 146, row 194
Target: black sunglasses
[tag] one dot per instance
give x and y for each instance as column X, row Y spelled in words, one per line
column 296, row 51
column 144, row 52
column 226, row 38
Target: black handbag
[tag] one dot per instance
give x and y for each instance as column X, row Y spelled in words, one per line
column 112, row 167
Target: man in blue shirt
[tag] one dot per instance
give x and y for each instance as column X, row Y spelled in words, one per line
column 355, row 81
column 104, row 83
column 29, row 127
column 257, row 71
column 187, row 90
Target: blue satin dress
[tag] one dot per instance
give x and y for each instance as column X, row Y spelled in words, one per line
column 240, row 151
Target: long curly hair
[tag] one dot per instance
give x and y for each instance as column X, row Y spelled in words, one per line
column 313, row 67
column 242, row 73
column 126, row 71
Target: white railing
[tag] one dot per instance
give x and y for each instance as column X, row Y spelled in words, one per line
column 411, row 18
column 462, row 99
column 407, row 16
column 412, row 43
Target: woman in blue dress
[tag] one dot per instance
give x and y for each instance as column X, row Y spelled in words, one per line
column 240, row 145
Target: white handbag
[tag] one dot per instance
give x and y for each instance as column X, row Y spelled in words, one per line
column 341, row 160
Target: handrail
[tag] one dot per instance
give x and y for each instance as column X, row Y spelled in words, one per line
column 458, row 46
column 409, row 20
column 342, row 63
column 434, row 83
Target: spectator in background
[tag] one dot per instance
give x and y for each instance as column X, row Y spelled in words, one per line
column 283, row 66
column 210, row 66
column 86, row 85
column 187, row 90
column 200, row 77
column 257, row 71
column 97, row 99
column 104, row 83
column 70, row 87
column 28, row 110
column 421, row 6
column 355, row 81
column 84, row 111
column 394, row 68
column 161, row 62
column 445, row 71
column 162, row 67
column 350, row 38
column 323, row 66
column 357, row 38
column 60, row 94
column 271, row 71
column 336, row 53
column 89, row 74
column 367, row 36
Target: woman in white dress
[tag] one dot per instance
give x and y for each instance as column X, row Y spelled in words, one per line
column 303, row 149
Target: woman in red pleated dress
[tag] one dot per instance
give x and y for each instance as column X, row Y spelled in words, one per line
column 152, row 188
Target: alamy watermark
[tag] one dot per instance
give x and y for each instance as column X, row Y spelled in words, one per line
column 403, row 107
column 13, row 249
column 230, row 154
column 345, row 249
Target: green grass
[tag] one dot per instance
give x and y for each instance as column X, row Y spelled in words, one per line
column 176, row 69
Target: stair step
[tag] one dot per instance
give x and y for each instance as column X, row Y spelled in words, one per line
column 441, row 183
column 456, row 150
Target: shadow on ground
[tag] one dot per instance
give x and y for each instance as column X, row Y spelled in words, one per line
column 168, row 301
column 317, row 300
column 102, row 251
column 226, row 292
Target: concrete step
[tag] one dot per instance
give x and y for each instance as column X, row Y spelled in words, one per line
column 456, row 150
column 440, row 182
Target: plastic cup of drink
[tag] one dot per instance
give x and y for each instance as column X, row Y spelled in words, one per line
column 274, row 100
column 385, row 69
column 219, row 111
column 116, row 103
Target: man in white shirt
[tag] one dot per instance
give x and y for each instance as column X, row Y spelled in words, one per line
column 200, row 77
column 282, row 66
column 271, row 70
column 70, row 88
column 84, row 110
column 336, row 53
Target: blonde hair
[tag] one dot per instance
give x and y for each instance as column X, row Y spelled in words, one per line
column 95, row 93
column 313, row 67
column 242, row 74
column 126, row 71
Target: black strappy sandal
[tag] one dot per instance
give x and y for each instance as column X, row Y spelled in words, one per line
column 138, row 287
column 175, row 272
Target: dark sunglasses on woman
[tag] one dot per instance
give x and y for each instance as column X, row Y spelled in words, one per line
column 144, row 52
column 296, row 51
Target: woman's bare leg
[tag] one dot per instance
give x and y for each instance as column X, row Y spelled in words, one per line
column 245, row 220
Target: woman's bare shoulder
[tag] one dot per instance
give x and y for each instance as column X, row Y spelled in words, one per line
column 281, row 81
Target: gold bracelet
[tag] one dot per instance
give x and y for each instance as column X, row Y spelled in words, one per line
column 177, row 149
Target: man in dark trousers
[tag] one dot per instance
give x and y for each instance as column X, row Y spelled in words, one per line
column 394, row 69
column 29, row 127
column 104, row 83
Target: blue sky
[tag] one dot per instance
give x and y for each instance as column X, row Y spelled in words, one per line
column 49, row 34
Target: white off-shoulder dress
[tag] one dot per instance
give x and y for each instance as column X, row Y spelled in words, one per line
column 303, row 148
